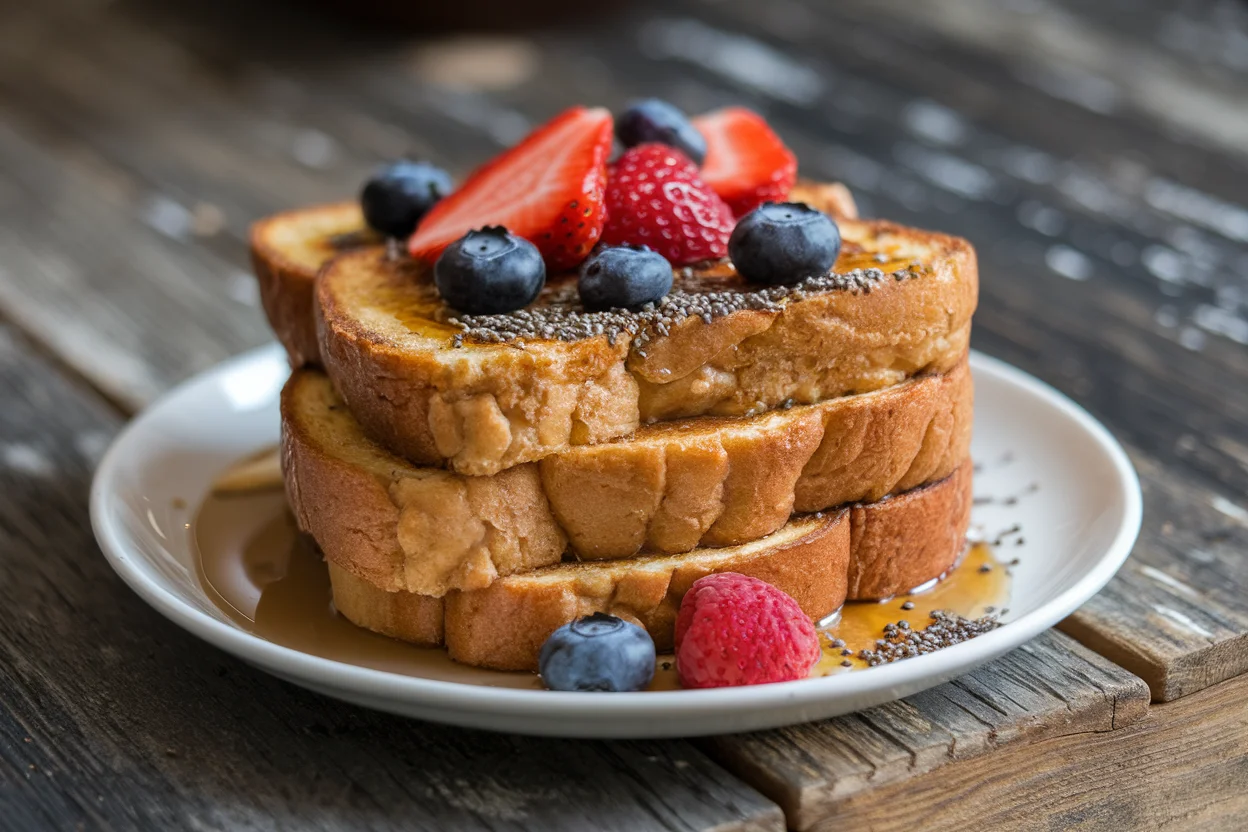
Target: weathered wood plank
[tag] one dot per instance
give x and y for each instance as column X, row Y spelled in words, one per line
column 110, row 717
column 1096, row 272
column 1121, row 282
column 83, row 171
column 1183, row 768
column 1176, row 614
column 1049, row 688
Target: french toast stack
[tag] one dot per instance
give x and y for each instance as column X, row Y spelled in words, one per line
column 477, row 481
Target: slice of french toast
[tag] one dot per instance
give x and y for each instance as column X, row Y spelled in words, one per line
column 287, row 252
column 865, row 551
column 671, row 487
column 289, row 249
column 481, row 394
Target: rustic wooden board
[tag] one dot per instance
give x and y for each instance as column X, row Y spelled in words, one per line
column 1185, row 768
column 112, row 718
column 1049, row 688
column 1122, row 279
column 138, row 140
column 1176, row 615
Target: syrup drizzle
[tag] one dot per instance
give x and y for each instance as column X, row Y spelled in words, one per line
column 267, row 579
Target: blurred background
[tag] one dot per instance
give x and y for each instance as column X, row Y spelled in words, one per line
column 1094, row 153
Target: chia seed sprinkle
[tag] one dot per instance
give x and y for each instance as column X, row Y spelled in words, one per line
column 945, row 630
column 909, row 605
column 1001, row 536
column 984, row 568
column 847, row 663
column 560, row 317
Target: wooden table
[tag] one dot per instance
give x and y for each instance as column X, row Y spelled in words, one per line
column 1098, row 159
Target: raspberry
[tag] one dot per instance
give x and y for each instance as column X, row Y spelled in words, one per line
column 736, row 630
column 655, row 198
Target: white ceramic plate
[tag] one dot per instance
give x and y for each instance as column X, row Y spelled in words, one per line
column 1079, row 526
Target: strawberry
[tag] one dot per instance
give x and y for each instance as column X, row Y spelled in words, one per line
column 547, row 189
column 746, row 163
column 656, row 198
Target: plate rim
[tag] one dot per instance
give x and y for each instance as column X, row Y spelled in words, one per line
column 467, row 699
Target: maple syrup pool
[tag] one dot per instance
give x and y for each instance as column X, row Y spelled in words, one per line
column 265, row 577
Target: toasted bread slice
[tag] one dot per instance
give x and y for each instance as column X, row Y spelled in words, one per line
column 423, row 387
column 867, row 551
column 288, row 251
column 671, row 487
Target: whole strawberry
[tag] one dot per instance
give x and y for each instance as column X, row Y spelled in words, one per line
column 736, row 630
column 655, row 198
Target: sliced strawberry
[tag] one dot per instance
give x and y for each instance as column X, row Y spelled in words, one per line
column 746, row 163
column 655, row 198
column 547, row 189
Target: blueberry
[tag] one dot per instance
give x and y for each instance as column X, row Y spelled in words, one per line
column 652, row 120
column 598, row 652
column 399, row 194
column 489, row 272
column 624, row 277
column 783, row 243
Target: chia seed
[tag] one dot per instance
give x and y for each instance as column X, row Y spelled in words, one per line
column 560, row 316
column 945, row 630
column 909, row 605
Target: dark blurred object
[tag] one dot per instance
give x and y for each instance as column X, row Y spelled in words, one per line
column 446, row 15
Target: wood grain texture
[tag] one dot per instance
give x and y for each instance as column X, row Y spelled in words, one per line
column 139, row 138
column 1120, row 279
column 1184, row 768
column 113, row 718
column 1050, row 687
column 1176, row 615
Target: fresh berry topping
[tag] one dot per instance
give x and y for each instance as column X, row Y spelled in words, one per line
column 736, row 630
column 399, row 194
column 623, row 277
column 598, row 652
column 652, row 120
column 547, row 189
column 655, row 198
column 746, row 163
column 489, row 272
column 783, row 243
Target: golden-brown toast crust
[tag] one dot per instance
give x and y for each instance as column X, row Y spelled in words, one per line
column 484, row 407
column 402, row 615
column 868, row 551
column 904, row 541
column 670, row 488
column 289, row 249
column 287, row 252
column 395, row 526
column 721, row 481
column 503, row 627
